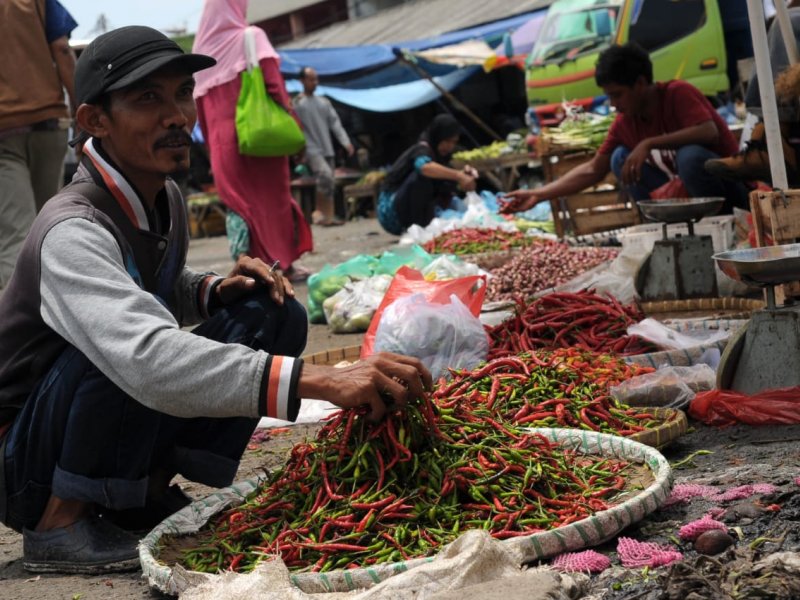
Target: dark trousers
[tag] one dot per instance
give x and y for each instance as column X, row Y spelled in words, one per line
column 416, row 199
column 690, row 161
column 80, row 437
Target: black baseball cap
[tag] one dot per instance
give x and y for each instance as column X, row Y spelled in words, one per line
column 126, row 55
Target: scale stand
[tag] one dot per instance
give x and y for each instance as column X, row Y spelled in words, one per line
column 679, row 267
column 765, row 353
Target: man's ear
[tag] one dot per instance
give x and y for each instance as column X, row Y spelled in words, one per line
column 92, row 119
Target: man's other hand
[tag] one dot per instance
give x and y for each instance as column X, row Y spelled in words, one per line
column 251, row 274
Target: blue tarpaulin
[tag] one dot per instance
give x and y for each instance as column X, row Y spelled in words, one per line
column 371, row 78
column 330, row 62
column 391, row 98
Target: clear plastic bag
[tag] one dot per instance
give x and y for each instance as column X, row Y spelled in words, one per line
column 667, row 337
column 442, row 336
column 350, row 309
column 669, row 387
column 332, row 278
column 450, row 267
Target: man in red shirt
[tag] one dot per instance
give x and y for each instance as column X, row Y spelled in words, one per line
column 662, row 130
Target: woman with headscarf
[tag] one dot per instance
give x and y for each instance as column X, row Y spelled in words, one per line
column 263, row 219
column 420, row 179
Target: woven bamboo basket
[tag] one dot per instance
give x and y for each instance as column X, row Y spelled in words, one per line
column 728, row 307
column 673, row 424
column 334, row 356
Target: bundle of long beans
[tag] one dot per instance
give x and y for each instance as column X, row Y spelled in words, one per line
column 364, row 494
column 476, row 240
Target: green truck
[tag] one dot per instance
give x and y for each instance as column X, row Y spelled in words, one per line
column 685, row 40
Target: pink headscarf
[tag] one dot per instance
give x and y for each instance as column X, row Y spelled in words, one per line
column 220, row 35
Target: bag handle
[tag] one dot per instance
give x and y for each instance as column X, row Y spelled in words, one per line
column 250, row 55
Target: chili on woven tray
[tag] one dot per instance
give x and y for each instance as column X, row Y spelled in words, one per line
column 477, row 240
column 584, row 320
column 363, row 494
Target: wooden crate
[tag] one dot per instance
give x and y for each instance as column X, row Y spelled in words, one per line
column 355, row 194
column 776, row 220
column 594, row 210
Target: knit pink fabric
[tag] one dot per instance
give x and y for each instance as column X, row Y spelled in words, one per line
column 683, row 492
column 691, row 531
column 743, row 491
column 634, row 554
column 588, row 560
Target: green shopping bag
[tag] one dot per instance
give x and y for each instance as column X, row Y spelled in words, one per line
column 263, row 127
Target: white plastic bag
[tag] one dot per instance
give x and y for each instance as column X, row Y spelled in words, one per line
column 666, row 337
column 350, row 309
column 669, row 387
column 442, row 336
column 450, row 267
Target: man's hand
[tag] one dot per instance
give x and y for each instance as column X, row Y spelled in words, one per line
column 632, row 169
column 519, row 201
column 249, row 275
column 350, row 149
column 378, row 380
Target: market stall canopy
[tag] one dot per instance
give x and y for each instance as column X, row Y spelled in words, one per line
column 418, row 19
column 391, row 98
column 332, row 61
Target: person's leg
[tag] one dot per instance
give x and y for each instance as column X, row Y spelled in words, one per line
column 208, row 450
column 700, row 183
column 322, row 168
column 46, row 152
column 414, row 201
column 650, row 179
column 17, row 205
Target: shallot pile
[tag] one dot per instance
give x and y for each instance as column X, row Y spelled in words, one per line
column 542, row 266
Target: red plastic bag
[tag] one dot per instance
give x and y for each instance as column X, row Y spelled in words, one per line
column 726, row 407
column 674, row 188
column 407, row 281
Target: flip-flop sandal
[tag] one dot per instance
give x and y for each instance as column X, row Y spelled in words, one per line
column 298, row 274
column 331, row 223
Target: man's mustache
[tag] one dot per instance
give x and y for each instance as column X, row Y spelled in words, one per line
column 173, row 138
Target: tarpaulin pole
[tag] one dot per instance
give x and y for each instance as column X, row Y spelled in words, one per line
column 789, row 40
column 758, row 29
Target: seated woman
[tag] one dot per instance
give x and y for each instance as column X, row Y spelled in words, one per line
column 420, row 178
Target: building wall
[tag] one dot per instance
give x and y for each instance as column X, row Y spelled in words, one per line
column 284, row 28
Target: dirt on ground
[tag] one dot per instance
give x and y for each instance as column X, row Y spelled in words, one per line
column 762, row 526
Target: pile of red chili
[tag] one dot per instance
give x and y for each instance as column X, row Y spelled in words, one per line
column 562, row 388
column 477, row 240
column 363, row 494
column 584, row 320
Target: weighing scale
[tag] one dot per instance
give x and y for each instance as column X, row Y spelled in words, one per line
column 679, row 267
column 765, row 353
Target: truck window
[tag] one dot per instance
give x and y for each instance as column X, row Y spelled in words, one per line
column 657, row 23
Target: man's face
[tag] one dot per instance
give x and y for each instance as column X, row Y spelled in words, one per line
column 310, row 81
column 627, row 99
column 147, row 130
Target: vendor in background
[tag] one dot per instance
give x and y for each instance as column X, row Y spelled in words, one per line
column 420, row 179
column 662, row 130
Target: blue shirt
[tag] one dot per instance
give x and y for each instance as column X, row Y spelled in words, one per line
column 57, row 21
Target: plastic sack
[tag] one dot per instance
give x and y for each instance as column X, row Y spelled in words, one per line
column 470, row 290
column 615, row 278
column 442, row 336
column 390, row 261
column 670, row 387
column 331, row 279
column 350, row 309
column 666, row 337
column 450, row 267
column 726, row 407
column 674, row 188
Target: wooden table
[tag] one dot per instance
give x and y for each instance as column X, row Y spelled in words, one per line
column 502, row 171
column 601, row 208
column 206, row 215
